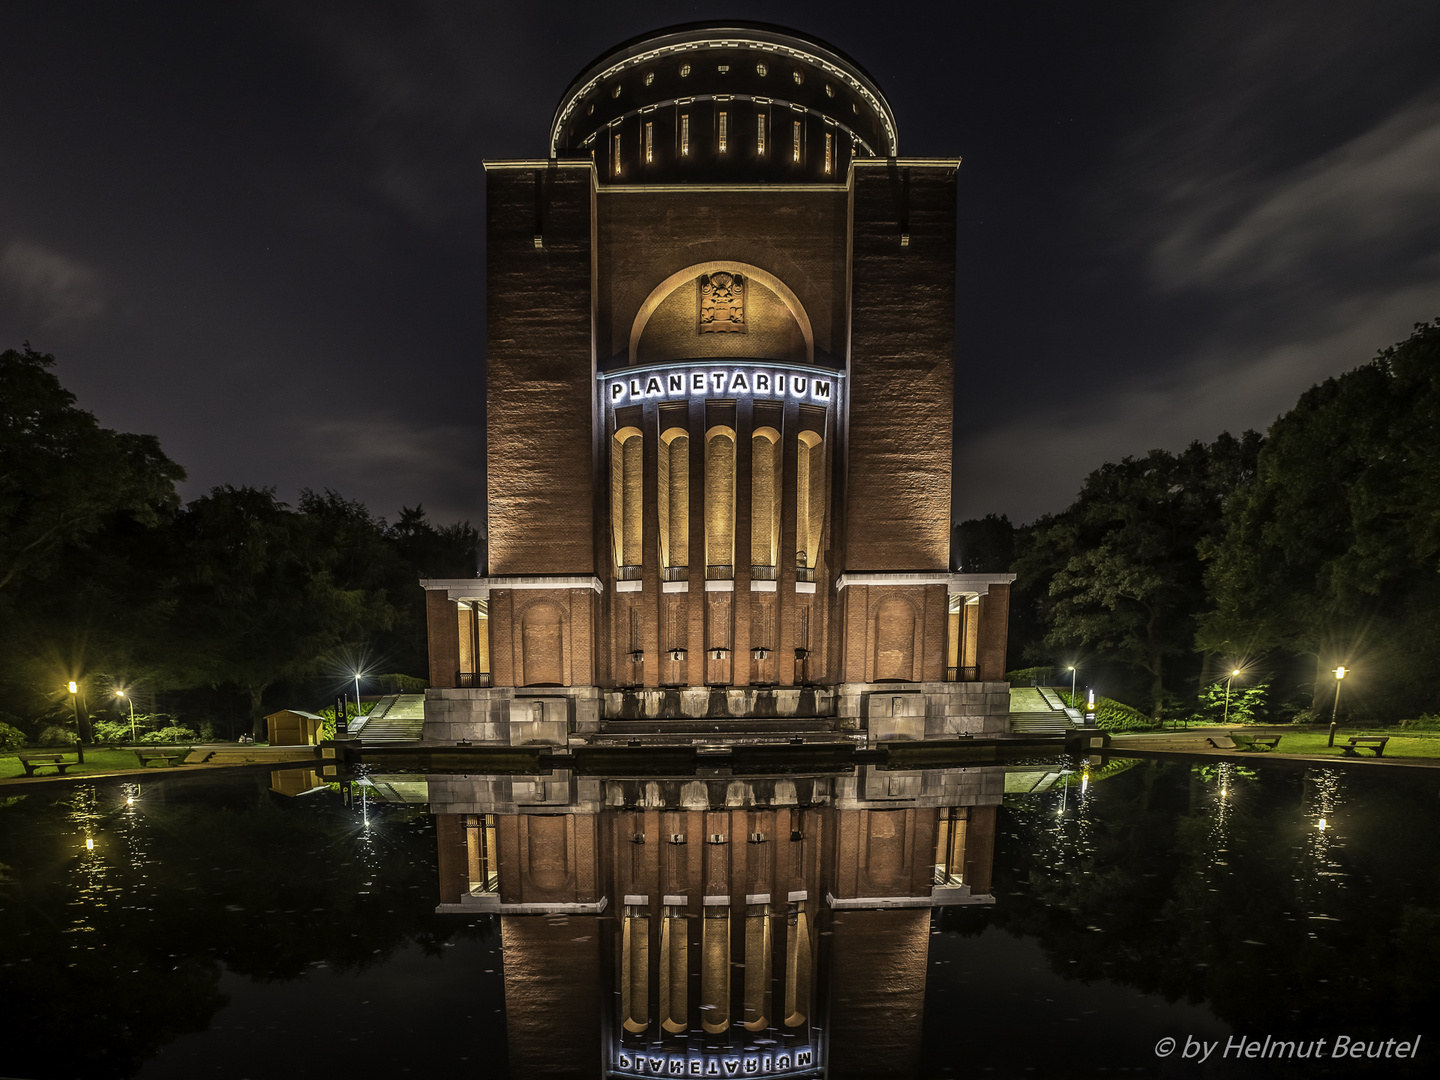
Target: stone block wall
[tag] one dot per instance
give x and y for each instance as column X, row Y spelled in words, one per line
column 502, row 715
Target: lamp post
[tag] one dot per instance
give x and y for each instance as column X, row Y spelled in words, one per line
column 1073, row 673
column 128, row 698
column 1340, row 673
column 75, row 707
column 1232, row 675
column 357, row 696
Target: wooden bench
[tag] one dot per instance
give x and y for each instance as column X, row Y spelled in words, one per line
column 165, row 757
column 1365, row 742
column 1221, row 742
column 40, row 761
column 1244, row 741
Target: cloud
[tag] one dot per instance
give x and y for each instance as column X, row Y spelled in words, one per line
column 385, row 462
column 1036, row 463
column 1366, row 205
column 62, row 292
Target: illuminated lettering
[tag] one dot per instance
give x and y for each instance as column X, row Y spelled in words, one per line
column 822, row 389
column 623, row 1060
column 799, row 386
column 717, row 378
column 782, row 1061
column 653, row 386
column 802, row 1058
column 677, row 1066
column 779, row 384
column 734, row 381
column 766, row 1062
column 732, row 1066
column 752, row 1065
column 712, row 1068
column 697, row 382
column 657, row 1065
column 737, row 382
column 634, row 387
column 616, row 390
column 677, row 384
column 695, row 1065
column 762, row 383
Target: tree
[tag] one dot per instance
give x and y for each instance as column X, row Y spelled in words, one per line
column 1332, row 553
column 1122, row 563
column 265, row 593
column 64, row 478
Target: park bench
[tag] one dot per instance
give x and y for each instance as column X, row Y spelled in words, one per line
column 1221, row 742
column 1245, row 741
column 165, row 757
column 1365, row 742
column 38, row 761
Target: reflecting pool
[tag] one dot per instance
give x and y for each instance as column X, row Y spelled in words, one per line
column 1059, row 918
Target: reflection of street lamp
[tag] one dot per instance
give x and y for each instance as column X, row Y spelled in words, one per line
column 1340, row 673
column 75, row 707
column 1227, row 695
column 121, row 693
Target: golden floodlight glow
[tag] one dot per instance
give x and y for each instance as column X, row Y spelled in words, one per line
column 73, row 688
column 89, row 844
column 1339, row 672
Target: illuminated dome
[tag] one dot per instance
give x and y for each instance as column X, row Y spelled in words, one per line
column 723, row 103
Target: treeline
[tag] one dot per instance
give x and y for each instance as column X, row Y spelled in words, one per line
column 219, row 609
column 1283, row 557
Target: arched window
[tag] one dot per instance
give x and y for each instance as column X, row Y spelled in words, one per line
column 720, row 503
column 764, row 501
column 674, row 499
column 627, row 469
column 809, row 503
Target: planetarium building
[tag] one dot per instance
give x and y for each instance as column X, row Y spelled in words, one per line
column 719, row 421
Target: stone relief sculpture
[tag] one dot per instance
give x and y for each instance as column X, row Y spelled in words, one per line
column 722, row 303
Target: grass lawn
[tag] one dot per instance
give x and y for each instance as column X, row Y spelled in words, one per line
column 97, row 761
column 1409, row 744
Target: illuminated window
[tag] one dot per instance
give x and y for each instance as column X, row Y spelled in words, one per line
column 799, row 78
column 809, row 501
column 684, row 134
column 829, row 152
column 674, row 497
column 950, row 846
column 720, row 497
column 829, row 90
column 627, row 463
column 617, row 153
column 650, row 142
column 724, row 130
column 684, row 71
column 649, row 77
column 760, row 134
column 794, row 145
column 761, row 70
column 615, row 92
column 724, row 69
column 765, row 488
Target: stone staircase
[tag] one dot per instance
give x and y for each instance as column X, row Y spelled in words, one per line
column 1037, row 711
column 396, row 718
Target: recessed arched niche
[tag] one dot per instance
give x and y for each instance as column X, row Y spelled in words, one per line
column 721, row 310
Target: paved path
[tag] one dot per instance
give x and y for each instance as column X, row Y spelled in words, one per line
column 1193, row 743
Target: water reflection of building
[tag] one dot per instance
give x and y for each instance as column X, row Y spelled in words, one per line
column 719, row 407
column 715, row 925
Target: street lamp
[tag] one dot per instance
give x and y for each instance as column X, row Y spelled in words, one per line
column 1072, row 685
column 75, row 707
column 1232, row 675
column 1340, row 673
column 122, row 694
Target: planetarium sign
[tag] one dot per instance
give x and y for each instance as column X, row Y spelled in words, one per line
column 671, row 382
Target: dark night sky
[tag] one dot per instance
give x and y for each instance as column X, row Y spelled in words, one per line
column 256, row 229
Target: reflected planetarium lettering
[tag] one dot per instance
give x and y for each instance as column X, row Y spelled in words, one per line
column 727, row 381
column 773, row 1063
